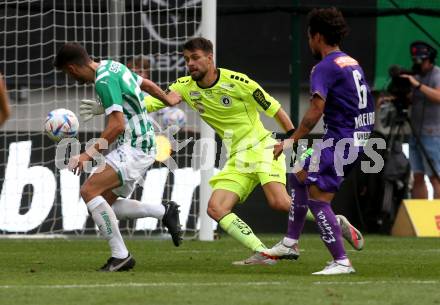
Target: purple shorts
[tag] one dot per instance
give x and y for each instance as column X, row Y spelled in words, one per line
column 328, row 174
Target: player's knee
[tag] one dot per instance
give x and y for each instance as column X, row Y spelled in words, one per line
column 87, row 192
column 281, row 203
column 215, row 210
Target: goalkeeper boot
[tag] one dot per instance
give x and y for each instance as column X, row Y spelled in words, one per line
column 350, row 233
column 259, row 258
column 172, row 222
column 335, row 268
column 281, row 251
column 118, row 264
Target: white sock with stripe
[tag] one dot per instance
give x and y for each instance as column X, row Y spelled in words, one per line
column 107, row 223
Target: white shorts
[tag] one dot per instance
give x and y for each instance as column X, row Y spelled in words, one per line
column 130, row 164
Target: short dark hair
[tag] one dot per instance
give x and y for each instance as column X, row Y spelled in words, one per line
column 199, row 43
column 71, row 53
column 328, row 22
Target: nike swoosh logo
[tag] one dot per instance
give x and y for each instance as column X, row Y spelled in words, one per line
column 114, row 268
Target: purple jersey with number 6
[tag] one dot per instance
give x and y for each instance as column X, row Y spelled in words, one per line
column 349, row 108
column 348, row 114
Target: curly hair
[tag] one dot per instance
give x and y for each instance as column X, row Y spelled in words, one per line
column 328, row 22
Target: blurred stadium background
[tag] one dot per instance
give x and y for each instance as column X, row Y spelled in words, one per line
column 271, row 47
column 265, row 39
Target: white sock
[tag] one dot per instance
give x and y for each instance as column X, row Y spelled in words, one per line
column 133, row 209
column 107, row 223
column 289, row 242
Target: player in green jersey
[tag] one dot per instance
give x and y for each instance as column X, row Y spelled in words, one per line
column 119, row 91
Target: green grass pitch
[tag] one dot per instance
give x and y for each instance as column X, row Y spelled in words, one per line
column 389, row 271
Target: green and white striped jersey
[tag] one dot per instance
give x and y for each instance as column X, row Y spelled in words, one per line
column 117, row 88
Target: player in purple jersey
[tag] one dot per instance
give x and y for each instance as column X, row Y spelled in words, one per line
column 340, row 92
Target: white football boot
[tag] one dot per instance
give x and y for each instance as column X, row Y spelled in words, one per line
column 335, row 268
column 258, row 258
column 281, row 251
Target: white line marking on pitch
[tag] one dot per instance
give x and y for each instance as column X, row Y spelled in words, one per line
column 164, row 284
column 377, row 282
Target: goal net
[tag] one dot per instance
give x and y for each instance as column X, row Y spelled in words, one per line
column 147, row 35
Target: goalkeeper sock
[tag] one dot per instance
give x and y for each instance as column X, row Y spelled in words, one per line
column 107, row 223
column 241, row 232
column 133, row 209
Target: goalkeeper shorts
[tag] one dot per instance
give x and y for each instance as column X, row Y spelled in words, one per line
column 246, row 169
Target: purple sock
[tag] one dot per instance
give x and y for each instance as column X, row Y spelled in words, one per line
column 329, row 228
column 298, row 209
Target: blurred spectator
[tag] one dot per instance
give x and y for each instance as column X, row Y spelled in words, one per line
column 425, row 117
column 140, row 65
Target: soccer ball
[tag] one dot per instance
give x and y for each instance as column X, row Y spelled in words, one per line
column 61, row 123
column 174, row 116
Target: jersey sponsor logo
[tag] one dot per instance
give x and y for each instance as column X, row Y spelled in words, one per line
column 361, row 138
column 345, row 61
column 227, row 86
column 194, row 93
column 226, row 101
column 261, row 100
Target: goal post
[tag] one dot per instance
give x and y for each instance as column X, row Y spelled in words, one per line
column 35, row 196
column 209, row 28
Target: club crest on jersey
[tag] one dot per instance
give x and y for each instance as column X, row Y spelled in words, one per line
column 226, row 101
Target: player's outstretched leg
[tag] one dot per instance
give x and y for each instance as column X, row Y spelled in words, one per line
column 168, row 213
column 287, row 248
column 331, row 235
column 219, row 208
column 352, row 235
column 241, row 232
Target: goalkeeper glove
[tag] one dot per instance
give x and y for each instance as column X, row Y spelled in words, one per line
column 89, row 108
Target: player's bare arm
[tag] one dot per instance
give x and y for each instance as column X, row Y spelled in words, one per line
column 171, row 99
column 284, row 120
column 309, row 121
column 114, row 128
column 5, row 110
